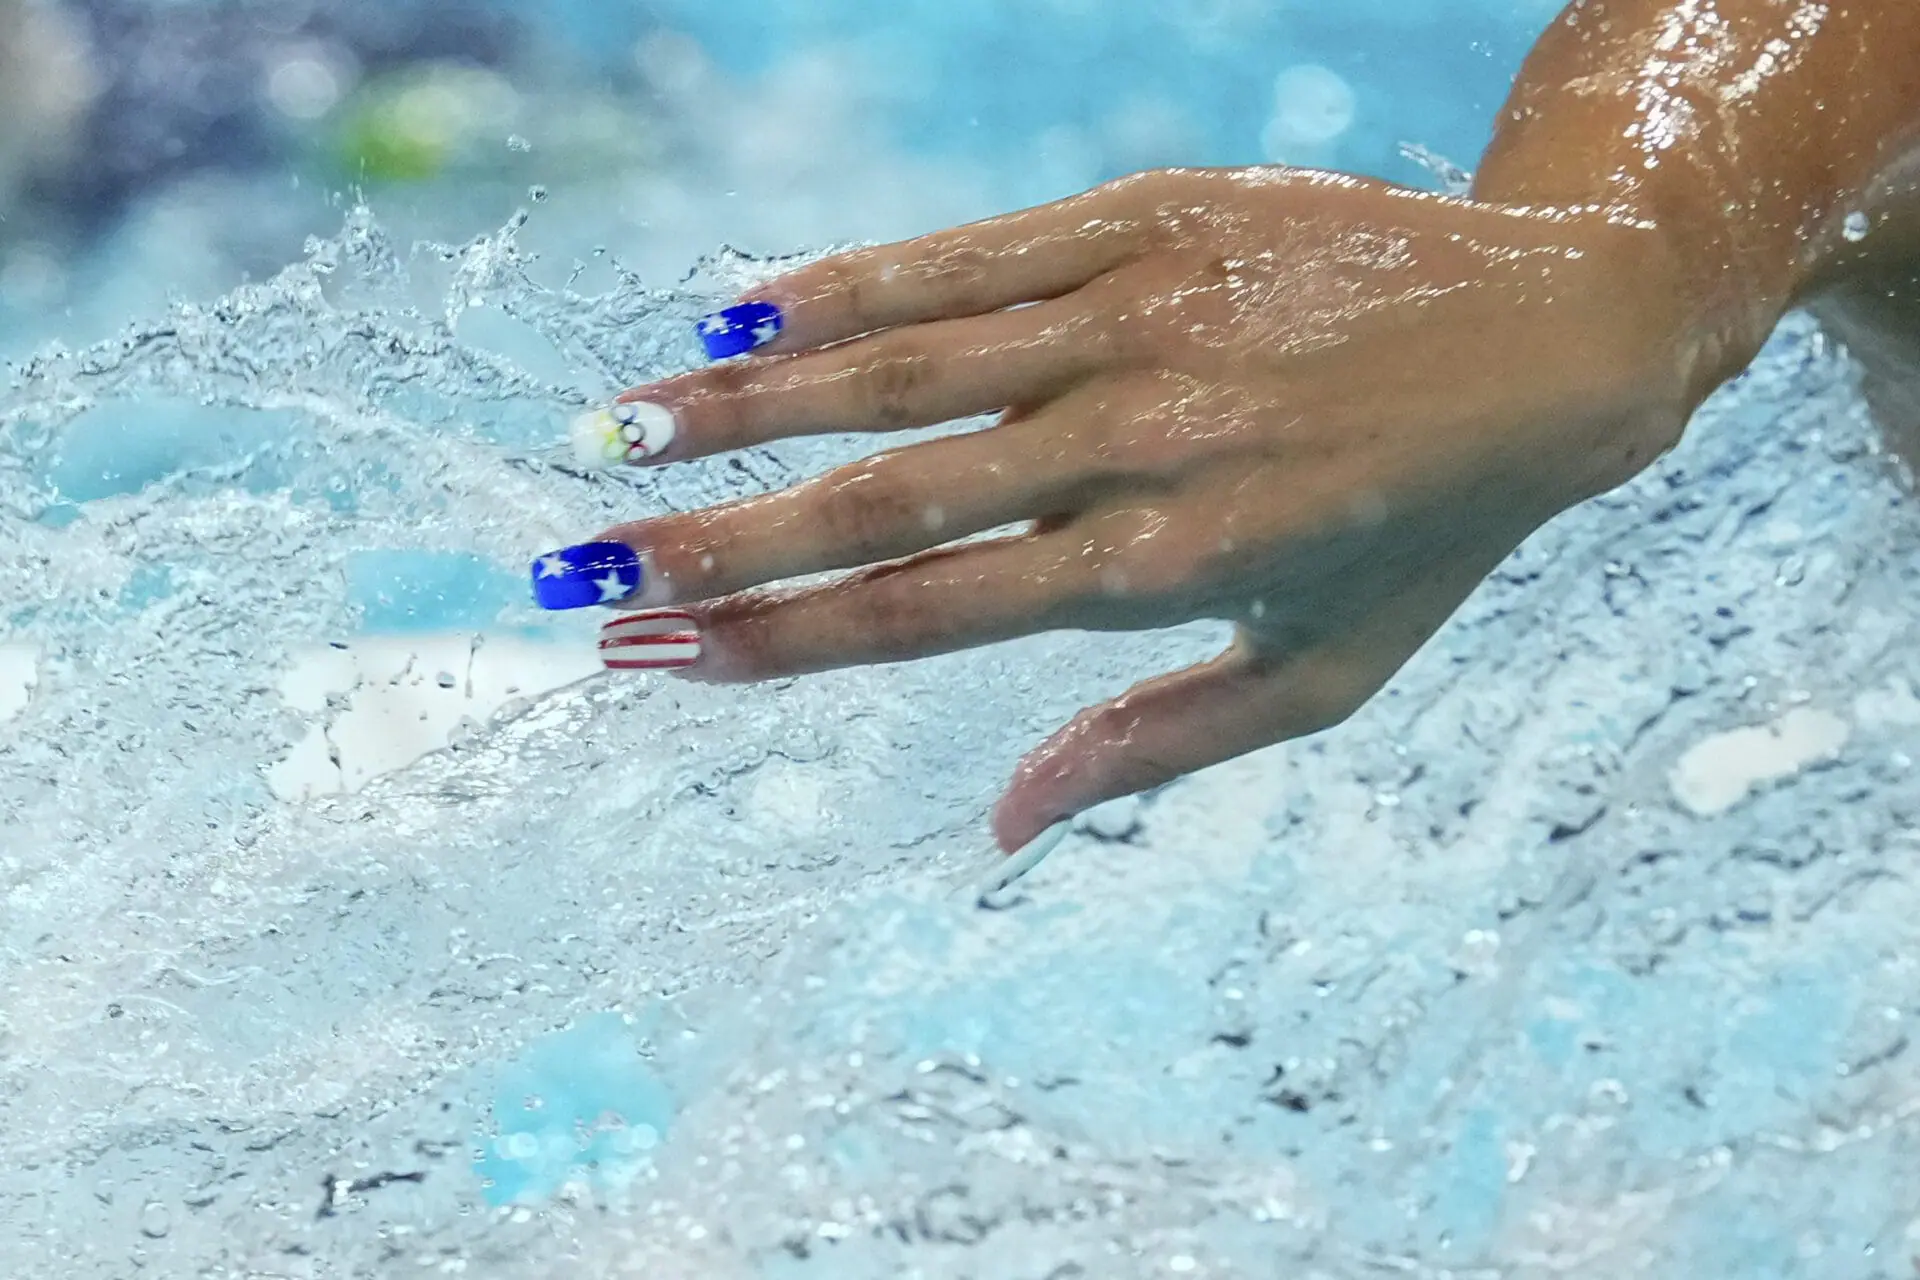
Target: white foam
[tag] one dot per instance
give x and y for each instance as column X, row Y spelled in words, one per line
column 1719, row 772
column 399, row 698
column 1892, row 705
column 19, row 673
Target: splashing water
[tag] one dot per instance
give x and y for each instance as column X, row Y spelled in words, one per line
column 288, row 476
column 641, row 978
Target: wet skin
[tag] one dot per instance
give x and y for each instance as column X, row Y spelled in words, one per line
column 1318, row 406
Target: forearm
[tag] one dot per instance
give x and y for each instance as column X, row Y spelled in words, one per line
column 1755, row 134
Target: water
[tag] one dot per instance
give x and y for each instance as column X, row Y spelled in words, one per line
column 351, row 925
column 1536, row 958
column 333, row 465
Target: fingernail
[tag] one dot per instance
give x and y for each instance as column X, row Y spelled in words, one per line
column 740, row 329
column 622, row 433
column 1006, row 870
column 662, row 640
column 589, row 574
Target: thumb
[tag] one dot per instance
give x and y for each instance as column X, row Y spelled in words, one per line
column 1172, row 726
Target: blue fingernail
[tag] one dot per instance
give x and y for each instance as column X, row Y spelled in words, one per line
column 586, row 575
column 741, row 329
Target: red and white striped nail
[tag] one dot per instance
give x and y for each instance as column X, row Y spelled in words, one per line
column 660, row 640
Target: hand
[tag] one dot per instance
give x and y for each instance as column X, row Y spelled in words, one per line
column 1316, row 406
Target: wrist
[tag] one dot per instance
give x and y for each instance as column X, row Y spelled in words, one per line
column 1769, row 146
column 1727, row 276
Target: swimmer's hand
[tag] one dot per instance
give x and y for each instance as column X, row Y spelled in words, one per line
column 1319, row 407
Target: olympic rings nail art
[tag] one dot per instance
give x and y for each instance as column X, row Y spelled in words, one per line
column 623, row 433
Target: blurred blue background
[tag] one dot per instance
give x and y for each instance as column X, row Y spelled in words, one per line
column 151, row 149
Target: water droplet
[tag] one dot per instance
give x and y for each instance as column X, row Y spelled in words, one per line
column 156, row 1220
column 1855, row 228
column 537, row 193
column 517, row 143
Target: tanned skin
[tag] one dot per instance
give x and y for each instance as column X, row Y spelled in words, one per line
column 1319, row 406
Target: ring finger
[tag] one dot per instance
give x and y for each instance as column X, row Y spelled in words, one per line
column 936, row 602
column 880, row 508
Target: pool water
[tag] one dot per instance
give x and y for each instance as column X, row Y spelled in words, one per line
column 355, row 925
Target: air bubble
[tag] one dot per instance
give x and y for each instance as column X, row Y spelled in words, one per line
column 1313, row 106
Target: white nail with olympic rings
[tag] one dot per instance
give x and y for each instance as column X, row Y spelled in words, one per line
column 622, row 433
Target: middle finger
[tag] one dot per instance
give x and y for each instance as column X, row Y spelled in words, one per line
column 880, row 508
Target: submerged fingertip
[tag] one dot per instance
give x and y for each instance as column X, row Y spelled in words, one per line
column 1006, row 870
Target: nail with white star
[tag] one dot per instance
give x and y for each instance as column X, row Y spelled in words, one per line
column 659, row 640
column 740, row 329
column 586, row 575
column 622, row 433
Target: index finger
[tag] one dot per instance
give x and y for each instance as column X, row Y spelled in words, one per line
column 1030, row 256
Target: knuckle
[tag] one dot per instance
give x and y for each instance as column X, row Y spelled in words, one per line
column 863, row 511
column 732, row 382
column 1165, row 571
column 1137, row 555
column 745, row 635
column 896, row 613
column 891, row 383
column 722, row 409
column 842, row 280
column 959, row 272
column 1127, row 429
column 1139, row 337
column 1140, row 195
column 1110, row 451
